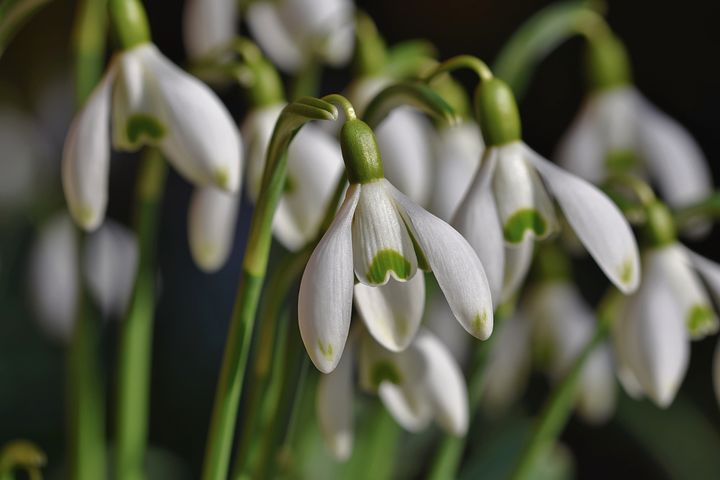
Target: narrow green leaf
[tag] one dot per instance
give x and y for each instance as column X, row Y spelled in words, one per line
column 414, row 94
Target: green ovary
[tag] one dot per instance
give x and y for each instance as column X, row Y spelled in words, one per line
column 701, row 321
column 385, row 261
column 384, row 372
column 141, row 125
column 621, row 161
column 522, row 220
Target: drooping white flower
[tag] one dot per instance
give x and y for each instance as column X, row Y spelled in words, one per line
column 292, row 32
column 208, row 25
column 377, row 234
column 152, row 102
column 440, row 321
column 212, row 218
column 652, row 339
column 619, row 129
column 508, row 204
column 418, row 385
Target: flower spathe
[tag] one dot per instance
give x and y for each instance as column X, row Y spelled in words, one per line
column 417, row 385
column 378, row 233
column 152, row 102
column 508, row 204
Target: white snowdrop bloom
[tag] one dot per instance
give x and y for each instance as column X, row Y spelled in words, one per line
column 53, row 277
column 562, row 326
column 379, row 233
column 441, row 321
column 509, row 364
column 458, row 151
column 652, row 339
column 152, row 102
column 208, row 25
column 212, row 218
column 618, row 129
column 418, row 385
column 406, row 145
column 292, row 32
column 364, row 89
column 110, row 261
column 509, row 203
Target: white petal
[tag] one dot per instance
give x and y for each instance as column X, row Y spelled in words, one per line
column 315, row 165
column 257, row 129
column 268, row 30
column 597, row 391
column 86, row 157
column 458, row 151
column 392, row 312
column 212, row 217
column 110, row 262
column 53, row 277
column 673, row 157
column 407, row 405
column 508, row 366
column 326, row 289
column 441, row 321
column 654, row 343
column 334, row 405
column 477, row 220
column 24, row 159
column 581, row 150
column 518, row 260
column 456, row 267
column 381, row 243
column 709, row 270
column 404, row 138
column 523, row 205
column 362, row 90
column 202, row 140
column 597, row 222
column 445, row 384
column 208, row 25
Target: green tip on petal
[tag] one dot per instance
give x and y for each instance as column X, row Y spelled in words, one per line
column 222, row 178
column 385, row 261
column 385, row 372
column 326, row 349
column 627, row 272
column 523, row 220
column 479, row 323
column 142, row 126
column 701, row 321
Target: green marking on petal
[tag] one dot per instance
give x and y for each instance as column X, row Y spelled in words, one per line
column 384, row 372
column 522, row 220
column 701, row 321
column 479, row 322
column 326, row 349
column 290, row 185
column 621, row 161
column 385, row 261
column 142, row 125
column 222, row 178
column 627, row 271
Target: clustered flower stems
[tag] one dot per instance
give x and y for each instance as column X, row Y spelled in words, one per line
column 85, row 390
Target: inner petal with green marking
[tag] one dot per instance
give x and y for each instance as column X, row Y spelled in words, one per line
column 144, row 127
column 384, row 371
column 386, row 261
column 701, row 321
column 524, row 220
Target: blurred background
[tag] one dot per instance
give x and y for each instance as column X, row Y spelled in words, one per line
column 673, row 46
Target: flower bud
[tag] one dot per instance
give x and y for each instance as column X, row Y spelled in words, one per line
column 497, row 113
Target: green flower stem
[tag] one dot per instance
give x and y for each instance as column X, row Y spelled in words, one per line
column 641, row 190
column 85, row 390
column 130, row 22
column 446, row 461
column 134, row 353
column 461, row 61
column 559, row 406
column 307, row 81
column 232, row 373
column 706, row 208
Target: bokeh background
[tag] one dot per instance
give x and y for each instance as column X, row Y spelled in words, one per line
column 673, row 46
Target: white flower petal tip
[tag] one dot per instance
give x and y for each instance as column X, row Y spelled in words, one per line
column 455, row 264
column 326, row 290
column 598, row 223
column 86, row 157
column 334, row 406
column 392, row 312
column 211, row 227
column 382, row 246
column 208, row 25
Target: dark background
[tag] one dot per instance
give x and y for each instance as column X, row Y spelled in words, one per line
column 674, row 49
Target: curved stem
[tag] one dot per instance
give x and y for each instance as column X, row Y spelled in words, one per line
column 708, row 208
column 461, row 61
column 638, row 187
column 343, row 103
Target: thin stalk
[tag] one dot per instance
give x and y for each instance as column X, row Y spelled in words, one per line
column 135, row 348
column 558, row 408
column 85, row 389
column 307, row 81
column 704, row 209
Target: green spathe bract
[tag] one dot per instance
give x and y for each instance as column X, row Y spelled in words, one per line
column 360, row 152
column 385, row 261
column 497, row 113
column 521, row 221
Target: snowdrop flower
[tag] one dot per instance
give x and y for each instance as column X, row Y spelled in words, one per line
column 152, row 102
column 420, row 384
column 562, row 326
column 379, row 233
column 509, row 203
column 109, row 263
column 652, row 337
column 208, row 25
column 439, row 321
column 292, row 32
column 618, row 129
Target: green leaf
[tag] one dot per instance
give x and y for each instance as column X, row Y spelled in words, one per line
column 414, row 94
column 539, row 36
column 13, row 15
